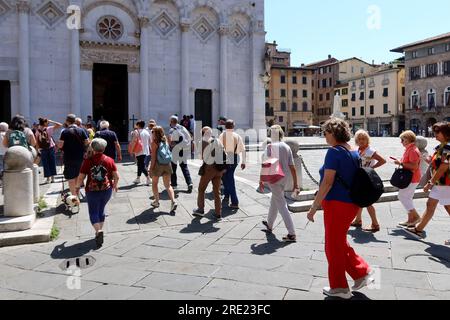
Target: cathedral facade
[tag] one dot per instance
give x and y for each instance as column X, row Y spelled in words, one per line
column 123, row 60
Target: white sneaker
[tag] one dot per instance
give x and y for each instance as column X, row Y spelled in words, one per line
column 137, row 181
column 363, row 282
column 149, row 181
column 173, row 207
column 337, row 293
column 155, row 204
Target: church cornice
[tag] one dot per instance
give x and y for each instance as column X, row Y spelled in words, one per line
column 108, row 45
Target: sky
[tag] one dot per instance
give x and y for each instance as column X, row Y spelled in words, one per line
column 366, row 29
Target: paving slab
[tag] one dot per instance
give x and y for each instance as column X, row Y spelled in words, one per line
column 111, row 292
column 174, row 282
column 233, row 290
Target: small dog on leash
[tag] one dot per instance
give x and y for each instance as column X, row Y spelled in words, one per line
column 71, row 202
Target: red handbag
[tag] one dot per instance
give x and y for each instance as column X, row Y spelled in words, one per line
column 136, row 145
column 271, row 171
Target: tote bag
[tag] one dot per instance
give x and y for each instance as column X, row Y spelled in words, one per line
column 136, row 145
column 271, row 170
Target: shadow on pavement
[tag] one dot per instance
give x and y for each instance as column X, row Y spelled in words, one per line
column 361, row 237
column 272, row 245
column 148, row 216
column 130, row 187
column 74, row 251
column 196, row 226
column 357, row 296
column 439, row 253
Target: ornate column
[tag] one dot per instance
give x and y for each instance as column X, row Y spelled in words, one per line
column 144, row 76
column 75, row 69
column 75, row 73
column 185, row 83
column 23, row 8
column 223, row 32
column 257, row 47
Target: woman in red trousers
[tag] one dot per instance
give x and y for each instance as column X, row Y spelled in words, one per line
column 339, row 212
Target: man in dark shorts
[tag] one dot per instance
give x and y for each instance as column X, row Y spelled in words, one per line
column 73, row 142
column 113, row 148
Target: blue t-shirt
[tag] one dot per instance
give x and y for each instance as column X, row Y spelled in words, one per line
column 339, row 160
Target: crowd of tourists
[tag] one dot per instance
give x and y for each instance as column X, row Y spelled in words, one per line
column 90, row 153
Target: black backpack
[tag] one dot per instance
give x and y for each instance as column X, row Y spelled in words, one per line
column 44, row 141
column 366, row 187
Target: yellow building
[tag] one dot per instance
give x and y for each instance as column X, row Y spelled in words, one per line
column 377, row 101
column 328, row 74
column 289, row 98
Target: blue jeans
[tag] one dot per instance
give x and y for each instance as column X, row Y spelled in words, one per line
column 96, row 204
column 49, row 162
column 230, row 184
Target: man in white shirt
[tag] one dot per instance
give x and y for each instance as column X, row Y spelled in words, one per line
column 234, row 147
column 179, row 140
column 141, row 134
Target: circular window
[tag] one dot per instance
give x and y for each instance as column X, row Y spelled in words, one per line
column 110, row 28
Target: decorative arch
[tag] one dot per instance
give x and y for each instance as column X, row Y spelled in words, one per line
column 239, row 9
column 212, row 5
column 177, row 3
column 93, row 5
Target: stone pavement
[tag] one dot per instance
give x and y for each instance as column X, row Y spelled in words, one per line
column 151, row 254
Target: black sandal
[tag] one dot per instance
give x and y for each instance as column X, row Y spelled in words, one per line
column 290, row 238
column 414, row 232
column 266, row 224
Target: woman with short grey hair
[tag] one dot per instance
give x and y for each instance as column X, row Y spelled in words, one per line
column 283, row 154
column 102, row 179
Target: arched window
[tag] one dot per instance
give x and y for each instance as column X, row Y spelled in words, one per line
column 415, row 100
column 447, row 97
column 305, row 106
column 283, row 106
column 431, row 99
column 295, row 107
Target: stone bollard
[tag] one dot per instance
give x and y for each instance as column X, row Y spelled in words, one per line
column 294, row 145
column 36, row 191
column 18, row 193
column 18, row 190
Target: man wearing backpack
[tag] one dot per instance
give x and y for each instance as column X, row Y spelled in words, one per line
column 180, row 144
column 214, row 166
column 73, row 142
